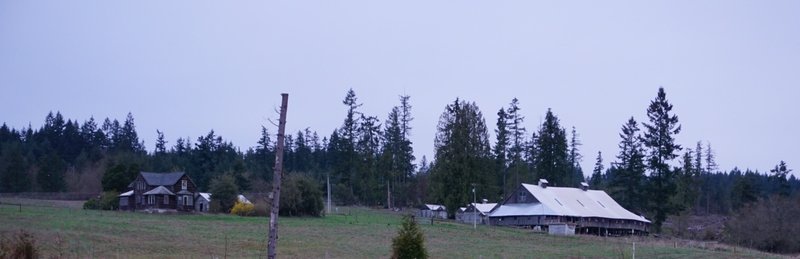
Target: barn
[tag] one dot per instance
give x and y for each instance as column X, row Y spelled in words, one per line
column 567, row 211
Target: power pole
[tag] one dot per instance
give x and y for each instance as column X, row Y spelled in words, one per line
column 278, row 175
column 329, row 191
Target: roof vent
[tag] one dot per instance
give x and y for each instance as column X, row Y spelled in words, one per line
column 543, row 183
column 584, row 186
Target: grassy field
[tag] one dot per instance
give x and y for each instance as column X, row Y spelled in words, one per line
column 62, row 229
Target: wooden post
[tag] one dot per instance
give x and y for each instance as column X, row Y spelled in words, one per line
column 276, row 183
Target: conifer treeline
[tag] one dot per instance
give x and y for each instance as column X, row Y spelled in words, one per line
column 371, row 162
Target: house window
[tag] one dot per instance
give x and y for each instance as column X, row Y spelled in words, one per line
column 185, row 201
column 151, row 199
column 184, row 183
column 521, row 197
column 166, row 199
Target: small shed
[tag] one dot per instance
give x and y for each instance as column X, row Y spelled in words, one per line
column 433, row 211
column 126, row 200
column 561, row 229
column 202, row 201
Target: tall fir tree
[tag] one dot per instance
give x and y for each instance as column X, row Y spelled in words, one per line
column 517, row 167
column 500, row 152
column 597, row 180
column 659, row 139
column 552, row 158
column 576, row 172
column 629, row 173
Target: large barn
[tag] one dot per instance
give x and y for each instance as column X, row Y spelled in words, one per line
column 567, row 211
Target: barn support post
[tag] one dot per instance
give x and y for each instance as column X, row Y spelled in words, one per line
column 278, row 175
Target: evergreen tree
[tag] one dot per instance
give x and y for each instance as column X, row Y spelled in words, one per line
column 13, row 168
column 778, row 178
column 367, row 187
column 711, row 165
column 409, row 242
column 576, row 172
column 552, row 160
column 161, row 144
column 686, row 192
column 346, row 156
column 744, row 189
column 462, row 156
column 500, row 152
column 516, row 150
column 659, row 139
column 626, row 187
column 51, row 172
column 597, row 181
column 698, row 158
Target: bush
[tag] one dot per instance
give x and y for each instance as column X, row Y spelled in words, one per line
column 23, row 245
column 769, row 225
column 301, row 196
column 409, row 242
column 243, row 209
column 106, row 201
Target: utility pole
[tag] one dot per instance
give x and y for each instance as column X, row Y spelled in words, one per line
column 278, row 176
column 328, row 180
column 474, row 210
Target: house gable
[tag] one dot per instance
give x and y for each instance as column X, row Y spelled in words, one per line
column 520, row 195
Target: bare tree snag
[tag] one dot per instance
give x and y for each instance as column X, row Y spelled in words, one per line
column 276, row 183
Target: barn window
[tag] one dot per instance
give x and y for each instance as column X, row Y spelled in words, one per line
column 521, row 196
column 184, row 183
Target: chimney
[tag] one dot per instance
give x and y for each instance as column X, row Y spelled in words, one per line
column 584, row 186
column 484, row 201
column 543, row 183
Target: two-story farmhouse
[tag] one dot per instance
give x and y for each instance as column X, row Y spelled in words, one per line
column 159, row 191
column 566, row 211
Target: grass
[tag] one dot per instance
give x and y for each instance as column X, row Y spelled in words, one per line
column 66, row 231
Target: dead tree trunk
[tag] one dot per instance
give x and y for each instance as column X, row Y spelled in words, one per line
column 276, row 183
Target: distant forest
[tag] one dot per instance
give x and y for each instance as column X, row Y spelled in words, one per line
column 371, row 162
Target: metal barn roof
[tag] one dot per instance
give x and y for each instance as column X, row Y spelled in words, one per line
column 564, row 201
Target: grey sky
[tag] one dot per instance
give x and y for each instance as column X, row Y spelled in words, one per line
column 185, row 67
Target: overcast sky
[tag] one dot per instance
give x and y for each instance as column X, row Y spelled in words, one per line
column 185, row 67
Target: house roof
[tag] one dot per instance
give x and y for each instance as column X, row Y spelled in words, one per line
column 484, row 208
column 184, row 192
column 125, row 194
column 434, row 207
column 564, row 201
column 165, row 179
column 205, row 195
column 243, row 199
column 159, row 190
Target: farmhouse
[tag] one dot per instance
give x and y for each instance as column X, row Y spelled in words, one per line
column 159, row 191
column 433, row 211
column 477, row 212
column 566, row 211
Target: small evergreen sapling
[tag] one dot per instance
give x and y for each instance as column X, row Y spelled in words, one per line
column 409, row 242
